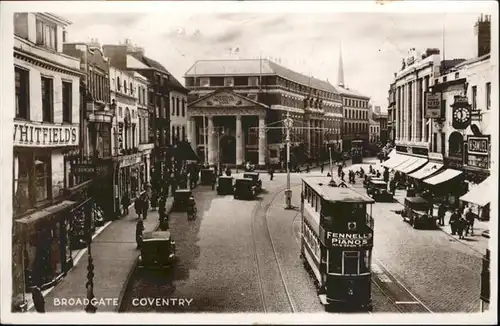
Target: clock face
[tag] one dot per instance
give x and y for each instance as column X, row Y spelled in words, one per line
column 461, row 115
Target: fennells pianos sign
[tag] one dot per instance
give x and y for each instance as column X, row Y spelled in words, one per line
column 29, row 134
column 349, row 240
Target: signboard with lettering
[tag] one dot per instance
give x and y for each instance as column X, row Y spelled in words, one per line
column 130, row 160
column 349, row 240
column 433, row 105
column 225, row 99
column 89, row 170
column 477, row 145
column 29, row 134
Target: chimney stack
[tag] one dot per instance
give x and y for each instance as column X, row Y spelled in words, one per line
column 483, row 33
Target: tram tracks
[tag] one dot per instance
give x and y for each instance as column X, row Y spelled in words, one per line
column 264, row 207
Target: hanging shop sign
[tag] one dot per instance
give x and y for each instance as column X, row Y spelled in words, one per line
column 349, row 240
column 461, row 112
column 478, row 150
column 130, row 160
column 433, row 105
column 30, row 134
column 90, row 170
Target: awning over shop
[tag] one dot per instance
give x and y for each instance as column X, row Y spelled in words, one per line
column 395, row 160
column 47, row 213
column 184, row 152
column 415, row 164
column 444, row 176
column 428, row 169
column 392, row 153
column 480, row 194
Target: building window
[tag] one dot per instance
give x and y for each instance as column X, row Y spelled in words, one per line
column 229, row 81
column 42, row 178
column 173, row 134
column 118, row 84
column 46, row 34
column 131, row 89
column 125, row 86
column 183, row 133
column 204, row 82
column 474, row 97
column 253, row 81
column 183, row 107
column 22, row 93
column 67, row 99
column 120, row 112
column 173, row 107
column 177, row 107
column 47, row 102
column 488, row 96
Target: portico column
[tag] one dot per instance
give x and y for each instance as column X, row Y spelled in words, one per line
column 211, row 145
column 414, row 111
column 239, row 141
column 262, row 141
column 422, row 107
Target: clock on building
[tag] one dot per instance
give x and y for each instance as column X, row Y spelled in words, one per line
column 461, row 117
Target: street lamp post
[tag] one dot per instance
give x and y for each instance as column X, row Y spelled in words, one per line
column 220, row 134
column 90, row 308
column 288, row 192
column 331, row 165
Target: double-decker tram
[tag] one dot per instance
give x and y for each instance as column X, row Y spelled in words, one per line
column 336, row 243
column 357, row 151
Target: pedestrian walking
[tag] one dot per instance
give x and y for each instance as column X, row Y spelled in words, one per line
column 145, row 206
column 454, row 220
column 125, row 203
column 139, row 229
column 386, row 175
column 38, row 299
column 441, row 214
column 138, row 207
column 342, row 175
column 308, row 168
column 322, row 167
column 214, row 181
column 470, row 218
column 228, row 171
column 271, row 173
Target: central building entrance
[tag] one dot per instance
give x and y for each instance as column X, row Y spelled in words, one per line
column 228, row 149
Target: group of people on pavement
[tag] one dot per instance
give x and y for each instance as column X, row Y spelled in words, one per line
column 461, row 224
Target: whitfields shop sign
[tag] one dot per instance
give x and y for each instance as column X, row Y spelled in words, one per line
column 30, row 134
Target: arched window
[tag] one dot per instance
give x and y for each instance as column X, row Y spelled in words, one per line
column 125, row 86
column 455, row 144
column 118, row 84
column 131, row 89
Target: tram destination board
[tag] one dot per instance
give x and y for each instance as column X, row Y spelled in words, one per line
column 349, row 240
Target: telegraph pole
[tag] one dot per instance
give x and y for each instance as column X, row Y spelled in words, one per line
column 288, row 191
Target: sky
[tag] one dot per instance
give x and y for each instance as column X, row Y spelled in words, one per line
column 373, row 44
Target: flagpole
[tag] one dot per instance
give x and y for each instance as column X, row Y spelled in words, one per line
column 260, row 71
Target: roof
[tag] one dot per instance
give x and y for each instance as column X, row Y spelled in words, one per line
column 156, row 235
column 172, row 81
column 473, row 60
column 255, row 67
column 350, row 92
column 335, row 194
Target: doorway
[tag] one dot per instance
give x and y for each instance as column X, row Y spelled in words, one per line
column 228, row 150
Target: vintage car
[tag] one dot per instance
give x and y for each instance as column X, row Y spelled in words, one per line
column 255, row 178
column 418, row 212
column 225, row 185
column 377, row 189
column 181, row 197
column 157, row 250
column 369, row 177
column 244, row 188
column 207, row 176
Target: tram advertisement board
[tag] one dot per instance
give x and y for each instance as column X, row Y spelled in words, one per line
column 349, row 240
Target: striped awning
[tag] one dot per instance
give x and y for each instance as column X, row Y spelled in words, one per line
column 444, row 176
column 426, row 171
column 413, row 165
column 395, row 160
column 480, row 194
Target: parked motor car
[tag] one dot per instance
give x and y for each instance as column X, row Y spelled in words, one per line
column 225, row 185
column 255, row 179
column 181, row 197
column 157, row 250
column 418, row 212
column 377, row 189
column 244, row 188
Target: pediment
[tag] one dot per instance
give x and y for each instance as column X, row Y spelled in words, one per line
column 225, row 99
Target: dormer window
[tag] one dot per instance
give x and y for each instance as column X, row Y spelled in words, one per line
column 253, row 81
column 46, row 34
column 229, row 81
column 204, row 82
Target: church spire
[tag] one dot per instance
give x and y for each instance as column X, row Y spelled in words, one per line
column 340, row 78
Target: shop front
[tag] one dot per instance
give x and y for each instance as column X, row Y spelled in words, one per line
column 44, row 248
column 479, row 198
column 447, row 186
column 131, row 178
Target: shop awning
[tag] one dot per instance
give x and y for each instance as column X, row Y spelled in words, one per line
column 427, row 170
column 184, row 152
column 415, row 164
column 480, row 194
column 46, row 213
column 395, row 160
column 444, row 176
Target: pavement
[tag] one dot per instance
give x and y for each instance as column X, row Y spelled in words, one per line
column 114, row 256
